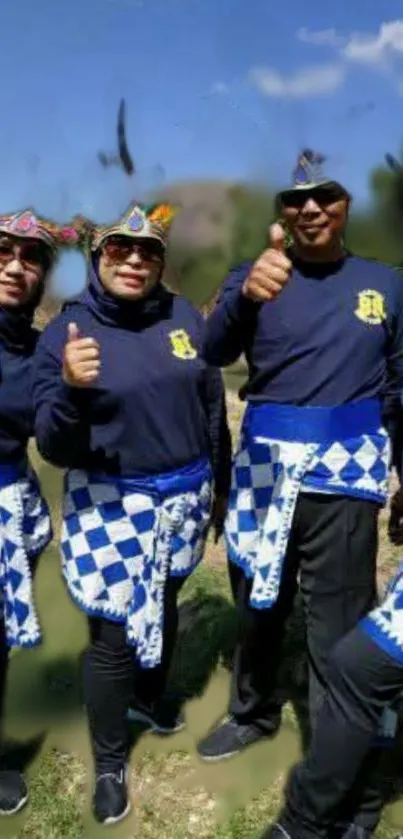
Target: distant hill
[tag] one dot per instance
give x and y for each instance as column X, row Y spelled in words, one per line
column 205, row 220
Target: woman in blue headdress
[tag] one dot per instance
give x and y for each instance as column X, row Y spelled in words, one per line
column 28, row 249
column 126, row 404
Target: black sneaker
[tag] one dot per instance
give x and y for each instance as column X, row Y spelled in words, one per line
column 349, row 831
column 278, row 831
column 164, row 718
column 230, row 738
column 110, row 801
column 13, row 792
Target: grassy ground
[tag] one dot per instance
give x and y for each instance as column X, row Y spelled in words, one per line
column 175, row 796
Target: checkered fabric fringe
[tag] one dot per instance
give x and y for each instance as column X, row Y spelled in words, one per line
column 267, row 477
column 385, row 623
column 120, row 542
column 25, row 531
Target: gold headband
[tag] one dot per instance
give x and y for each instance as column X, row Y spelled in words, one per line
column 139, row 222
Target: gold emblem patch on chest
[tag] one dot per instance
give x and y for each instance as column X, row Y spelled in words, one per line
column 181, row 345
column 371, row 307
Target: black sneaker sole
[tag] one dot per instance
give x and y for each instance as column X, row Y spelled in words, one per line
column 217, row 758
column 142, row 718
column 115, row 819
column 21, row 804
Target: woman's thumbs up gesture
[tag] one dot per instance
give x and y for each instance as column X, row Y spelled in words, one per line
column 81, row 359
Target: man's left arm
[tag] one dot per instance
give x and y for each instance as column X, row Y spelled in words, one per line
column 393, row 415
column 392, row 407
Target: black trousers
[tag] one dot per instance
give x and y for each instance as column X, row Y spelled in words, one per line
column 332, row 549
column 112, row 679
column 4, row 662
column 362, row 681
column 4, row 667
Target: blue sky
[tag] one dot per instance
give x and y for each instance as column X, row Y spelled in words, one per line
column 215, row 89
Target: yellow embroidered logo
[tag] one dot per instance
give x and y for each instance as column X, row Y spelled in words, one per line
column 182, row 346
column 371, row 307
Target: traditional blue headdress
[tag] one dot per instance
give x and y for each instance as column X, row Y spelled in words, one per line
column 309, row 173
column 309, row 170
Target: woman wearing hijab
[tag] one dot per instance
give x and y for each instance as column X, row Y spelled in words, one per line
column 127, row 406
column 28, row 248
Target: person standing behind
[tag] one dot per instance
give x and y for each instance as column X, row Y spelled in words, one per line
column 322, row 332
column 365, row 677
column 125, row 403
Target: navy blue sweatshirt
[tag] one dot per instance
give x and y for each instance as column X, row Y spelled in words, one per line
column 334, row 335
column 150, row 411
column 18, row 339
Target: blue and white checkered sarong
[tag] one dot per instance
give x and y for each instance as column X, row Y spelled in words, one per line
column 122, row 538
column 284, row 450
column 385, row 623
column 25, row 531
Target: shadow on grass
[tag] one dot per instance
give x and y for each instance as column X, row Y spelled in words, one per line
column 206, row 639
column 47, row 691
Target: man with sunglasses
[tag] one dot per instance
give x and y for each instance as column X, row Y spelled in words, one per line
column 322, row 333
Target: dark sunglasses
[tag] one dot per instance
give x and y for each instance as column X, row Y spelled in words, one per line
column 322, row 195
column 120, row 248
column 29, row 254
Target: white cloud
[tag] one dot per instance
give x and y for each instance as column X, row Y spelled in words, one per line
column 380, row 50
column 324, row 37
column 219, row 88
column 377, row 49
column 309, row 81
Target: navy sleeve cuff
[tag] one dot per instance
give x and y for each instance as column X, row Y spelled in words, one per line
column 238, row 306
column 70, row 399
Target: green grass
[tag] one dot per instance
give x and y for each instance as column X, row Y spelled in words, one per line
column 174, row 795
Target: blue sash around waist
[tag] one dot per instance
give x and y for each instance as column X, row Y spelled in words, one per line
column 311, row 424
column 186, row 479
column 10, row 473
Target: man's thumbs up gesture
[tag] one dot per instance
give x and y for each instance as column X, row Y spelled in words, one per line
column 81, row 359
column 271, row 272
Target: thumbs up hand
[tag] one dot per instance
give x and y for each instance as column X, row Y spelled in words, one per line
column 81, row 359
column 271, row 272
